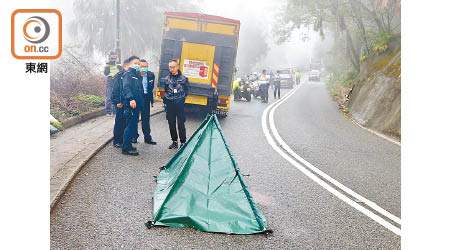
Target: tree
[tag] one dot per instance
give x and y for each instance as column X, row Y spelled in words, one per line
column 140, row 26
column 355, row 19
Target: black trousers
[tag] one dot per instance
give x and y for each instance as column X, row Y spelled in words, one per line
column 119, row 125
column 145, row 118
column 276, row 88
column 175, row 115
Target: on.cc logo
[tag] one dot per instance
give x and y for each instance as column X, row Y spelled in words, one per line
column 36, row 34
column 36, row 29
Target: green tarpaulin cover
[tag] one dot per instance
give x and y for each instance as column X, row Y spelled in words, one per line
column 201, row 187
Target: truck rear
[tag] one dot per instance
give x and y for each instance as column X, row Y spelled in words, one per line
column 205, row 47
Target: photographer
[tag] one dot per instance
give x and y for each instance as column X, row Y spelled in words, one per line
column 111, row 68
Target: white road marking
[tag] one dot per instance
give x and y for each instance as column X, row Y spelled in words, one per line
column 316, row 179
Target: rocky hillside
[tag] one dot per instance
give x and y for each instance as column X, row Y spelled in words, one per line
column 375, row 98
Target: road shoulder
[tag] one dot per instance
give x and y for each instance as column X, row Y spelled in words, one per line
column 72, row 148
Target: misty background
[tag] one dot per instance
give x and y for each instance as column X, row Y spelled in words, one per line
column 257, row 43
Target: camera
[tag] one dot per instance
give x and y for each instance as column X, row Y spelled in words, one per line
column 112, row 58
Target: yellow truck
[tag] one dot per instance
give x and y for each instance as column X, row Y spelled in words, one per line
column 205, row 47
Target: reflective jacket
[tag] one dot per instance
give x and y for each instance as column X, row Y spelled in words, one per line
column 176, row 87
column 111, row 70
column 235, row 84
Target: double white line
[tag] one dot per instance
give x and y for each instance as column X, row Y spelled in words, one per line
column 344, row 193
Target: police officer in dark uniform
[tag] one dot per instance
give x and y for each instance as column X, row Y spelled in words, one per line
column 176, row 88
column 133, row 100
column 116, row 99
column 147, row 79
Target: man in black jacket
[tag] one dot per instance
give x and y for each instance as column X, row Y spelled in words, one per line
column 147, row 79
column 133, row 100
column 116, row 99
column 176, row 88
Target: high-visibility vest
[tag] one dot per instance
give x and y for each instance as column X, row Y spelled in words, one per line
column 235, row 84
column 113, row 70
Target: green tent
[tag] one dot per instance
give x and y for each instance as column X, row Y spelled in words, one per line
column 201, row 187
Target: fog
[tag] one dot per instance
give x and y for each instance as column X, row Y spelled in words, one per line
column 259, row 16
column 257, row 47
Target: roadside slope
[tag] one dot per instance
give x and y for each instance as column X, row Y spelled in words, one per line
column 375, row 100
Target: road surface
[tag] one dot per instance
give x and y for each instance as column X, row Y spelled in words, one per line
column 107, row 204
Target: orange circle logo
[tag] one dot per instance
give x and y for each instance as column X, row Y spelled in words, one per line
column 36, row 29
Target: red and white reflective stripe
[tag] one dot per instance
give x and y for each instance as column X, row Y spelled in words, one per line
column 215, row 76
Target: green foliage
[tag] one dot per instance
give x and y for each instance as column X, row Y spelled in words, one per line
column 62, row 108
column 56, row 112
column 380, row 44
column 363, row 58
column 343, row 79
column 56, row 125
column 74, row 112
column 346, row 110
column 90, row 100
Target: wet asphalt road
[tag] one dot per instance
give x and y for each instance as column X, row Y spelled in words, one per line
column 107, row 204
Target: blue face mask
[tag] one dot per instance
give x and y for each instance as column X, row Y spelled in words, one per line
column 136, row 67
column 144, row 70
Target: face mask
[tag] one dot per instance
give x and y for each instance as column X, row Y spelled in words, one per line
column 144, row 70
column 136, row 67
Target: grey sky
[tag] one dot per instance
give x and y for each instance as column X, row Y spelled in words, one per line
column 251, row 12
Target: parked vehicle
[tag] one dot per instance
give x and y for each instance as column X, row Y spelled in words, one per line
column 314, row 75
column 244, row 91
column 255, row 88
column 206, row 47
column 287, row 78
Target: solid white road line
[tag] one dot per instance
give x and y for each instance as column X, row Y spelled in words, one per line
column 319, row 181
column 322, row 174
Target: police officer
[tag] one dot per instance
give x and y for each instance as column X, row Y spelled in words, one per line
column 110, row 71
column 147, row 78
column 133, row 101
column 176, row 88
column 116, row 100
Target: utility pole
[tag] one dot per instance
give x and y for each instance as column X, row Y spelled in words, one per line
column 117, row 44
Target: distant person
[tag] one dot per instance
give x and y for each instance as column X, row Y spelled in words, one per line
column 110, row 70
column 116, row 100
column 176, row 88
column 271, row 74
column 276, row 85
column 236, row 88
column 147, row 78
column 264, row 86
column 298, row 76
column 133, row 99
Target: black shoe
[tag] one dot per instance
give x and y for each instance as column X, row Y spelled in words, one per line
column 173, row 145
column 151, row 142
column 182, row 144
column 134, row 140
column 117, row 145
column 131, row 151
